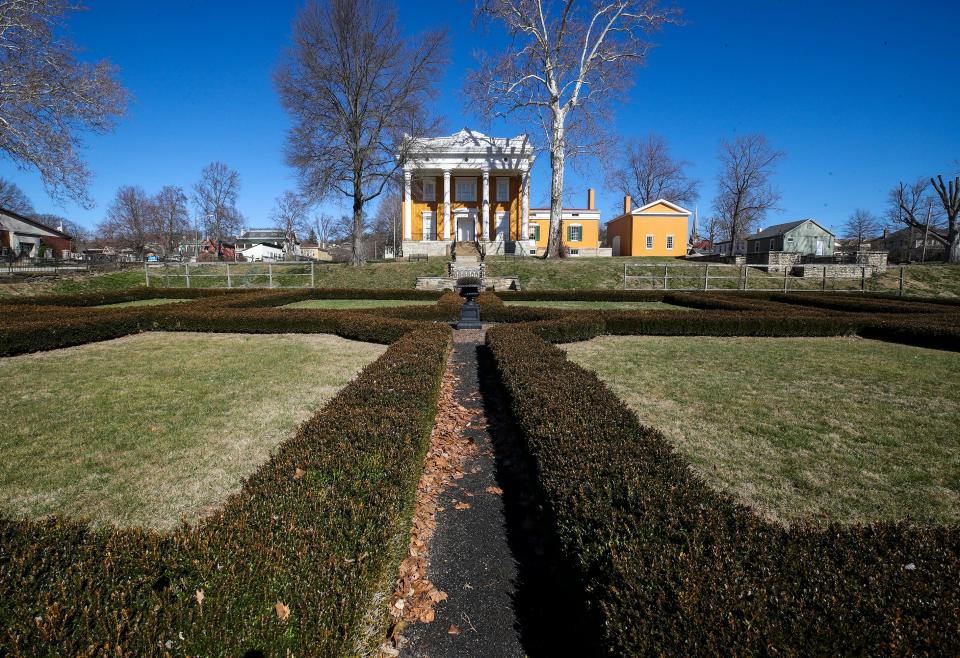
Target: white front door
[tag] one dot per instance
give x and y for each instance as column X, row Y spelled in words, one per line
column 819, row 247
column 466, row 227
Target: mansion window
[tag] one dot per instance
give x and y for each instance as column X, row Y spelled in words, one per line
column 535, row 232
column 428, row 189
column 466, row 189
column 503, row 189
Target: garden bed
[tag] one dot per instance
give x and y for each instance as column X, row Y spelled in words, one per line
column 146, row 429
column 821, row 429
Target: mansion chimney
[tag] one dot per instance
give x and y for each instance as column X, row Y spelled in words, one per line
column 627, row 204
column 590, row 198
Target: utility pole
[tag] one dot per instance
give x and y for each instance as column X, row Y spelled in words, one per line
column 926, row 230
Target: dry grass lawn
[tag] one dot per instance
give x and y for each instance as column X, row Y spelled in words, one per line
column 358, row 303
column 601, row 306
column 160, row 301
column 840, row 429
column 147, row 429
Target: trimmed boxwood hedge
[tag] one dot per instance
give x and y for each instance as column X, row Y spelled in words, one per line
column 861, row 305
column 121, row 296
column 669, row 566
column 582, row 295
column 326, row 544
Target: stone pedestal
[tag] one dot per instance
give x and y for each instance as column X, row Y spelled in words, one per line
column 469, row 315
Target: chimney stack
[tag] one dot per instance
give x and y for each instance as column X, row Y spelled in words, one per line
column 627, row 204
column 590, row 198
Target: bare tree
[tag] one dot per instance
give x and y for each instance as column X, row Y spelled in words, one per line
column 650, row 173
column 907, row 206
column 860, row 226
column 128, row 218
column 169, row 217
column 745, row 193
column 323, row 225
column 387, row 222
column 566, row 64
column 48, row 97
column 357, row 89
column 13, row 198
column 215, row 199
column 290, row 215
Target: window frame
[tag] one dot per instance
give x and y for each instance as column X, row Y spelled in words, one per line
column 501, row 180
column 579, row 228
column 535, row 227
column 649, row 242
column 465, row 180
column 433, row 225
column 670, row 242
column 423, row 181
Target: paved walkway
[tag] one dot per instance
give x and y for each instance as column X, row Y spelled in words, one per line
column 488, row 557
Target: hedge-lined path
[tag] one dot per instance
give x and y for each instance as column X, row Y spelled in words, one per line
column 470, row 557
column 487, row 553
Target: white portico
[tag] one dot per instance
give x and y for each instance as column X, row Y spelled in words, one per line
column 467, row 187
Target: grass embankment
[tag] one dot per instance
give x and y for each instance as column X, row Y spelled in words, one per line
column 144, row 429
column 838, row 429
column 533, row 273
column 357, row 303
column 600, row 306
column 159, row 301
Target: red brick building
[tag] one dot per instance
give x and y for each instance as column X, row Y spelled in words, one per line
column 22, row 237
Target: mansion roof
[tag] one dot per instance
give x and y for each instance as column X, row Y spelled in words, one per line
column 473, row 144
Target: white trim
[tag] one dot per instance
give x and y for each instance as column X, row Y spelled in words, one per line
column 578, row 226
column 472, row 180
column 680, row 210
column 502, row 180
column 432, row 182
column 671, row 243
column 648, row 243
column 501, row 220
column 433, row 228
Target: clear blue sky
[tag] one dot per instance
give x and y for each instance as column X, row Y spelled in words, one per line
column 859, row 94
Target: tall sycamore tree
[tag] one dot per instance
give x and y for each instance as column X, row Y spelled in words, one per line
column 358, row 90
column 566, row 63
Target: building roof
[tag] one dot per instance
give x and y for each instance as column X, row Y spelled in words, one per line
column 680, row 210
column 779, row 229
column 32, row 222
column 472, row 141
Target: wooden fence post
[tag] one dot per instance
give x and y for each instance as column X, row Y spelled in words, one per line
column 785, row 278
column 146, row 272
column 665, row 276
column 706, row 277
column 313, row 282
column 863, row 279
column 270, row 274
column 186, row 272
column 624, row 276
column 746, row 275
column 823, row 286
column 229, row 280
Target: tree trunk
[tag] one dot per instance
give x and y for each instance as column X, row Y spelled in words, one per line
column 557, row 158
column 357, row 257
column 953, row 250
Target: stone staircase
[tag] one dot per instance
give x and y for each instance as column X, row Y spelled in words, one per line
column 466, row 260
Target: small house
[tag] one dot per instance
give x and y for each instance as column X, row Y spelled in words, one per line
column 803, row 236
column 263, row 252
column 579, row 229
column 23, row 237
column 659, row 228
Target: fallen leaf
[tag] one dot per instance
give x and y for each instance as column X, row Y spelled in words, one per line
column 299, row 473
column 427, row 616
column 453, row 630
column 496, row 491
column 200, row 597
column 462, row 505
column 283, row 612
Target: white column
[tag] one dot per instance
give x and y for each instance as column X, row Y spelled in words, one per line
column 407, row 207
column 525, row 205
column 446, row 204
column 485, row 208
